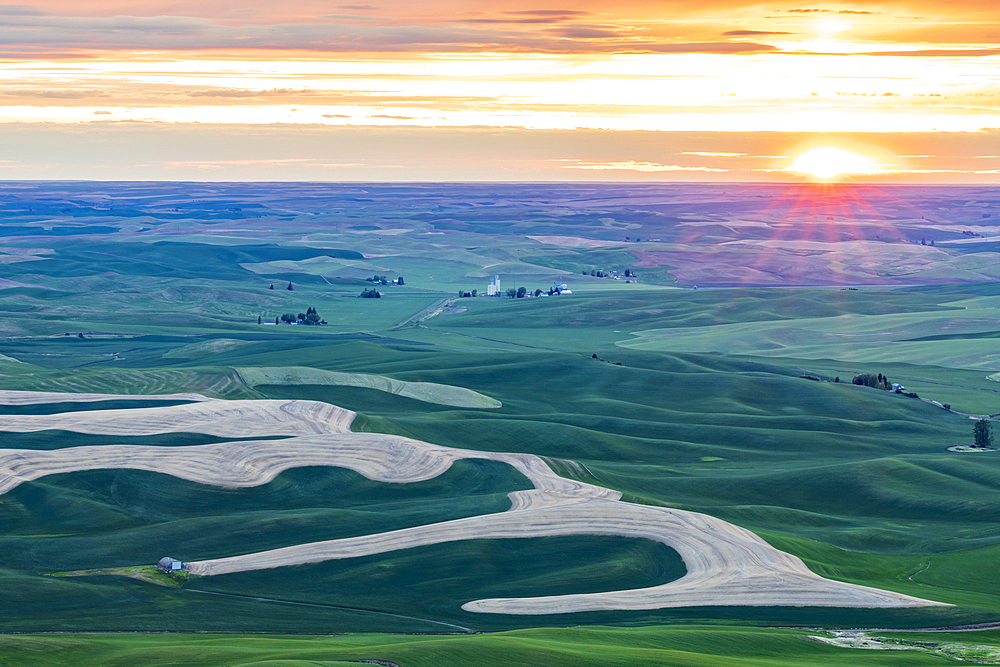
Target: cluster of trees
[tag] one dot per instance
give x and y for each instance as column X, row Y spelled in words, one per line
column 370, row 294
column 522, row 292
column 872, row 380
column 310, row 317
column 613, row 363
column 880, row 381
column 598, row 273
column 511, row 292
column 982, row 433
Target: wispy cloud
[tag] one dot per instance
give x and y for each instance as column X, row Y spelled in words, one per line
column 176, row 33
column 242, row 93
column 936, row 53
column 751, row 33
column 20, row 10
column 531, row 17
column 49, row 94
column 633, row 165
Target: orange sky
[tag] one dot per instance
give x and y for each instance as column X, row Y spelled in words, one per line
column 910, row 87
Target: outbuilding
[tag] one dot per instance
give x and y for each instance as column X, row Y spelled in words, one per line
column 168, row 564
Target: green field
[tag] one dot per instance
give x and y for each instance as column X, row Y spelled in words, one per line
column 691, row 646
column 721, row 401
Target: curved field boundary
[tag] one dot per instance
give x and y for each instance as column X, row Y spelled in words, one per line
column 216, row 382
column 232, row 419
column 9, row 397
column 726, row 565
column 429, row 392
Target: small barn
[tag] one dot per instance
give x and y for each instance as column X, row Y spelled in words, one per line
column 168, row 564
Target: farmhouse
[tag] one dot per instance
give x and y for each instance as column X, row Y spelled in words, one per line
column 168, row 564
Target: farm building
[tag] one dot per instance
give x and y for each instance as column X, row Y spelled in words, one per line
column 168, row 564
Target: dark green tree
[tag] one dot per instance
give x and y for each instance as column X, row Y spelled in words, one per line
column 982, row 433
column 511, row 292
column 521, row 291
column 399, row 281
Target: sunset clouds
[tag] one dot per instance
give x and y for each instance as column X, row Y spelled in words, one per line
column 674, row 68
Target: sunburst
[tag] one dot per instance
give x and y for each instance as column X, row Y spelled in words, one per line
column 827, row 163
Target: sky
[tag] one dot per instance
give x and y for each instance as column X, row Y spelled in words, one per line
column 637, row 90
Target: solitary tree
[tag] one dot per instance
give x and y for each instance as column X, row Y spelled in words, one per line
column 258, row 319
column 289, row 288
column 983, row 434
column 399, row 281
column 521, row 291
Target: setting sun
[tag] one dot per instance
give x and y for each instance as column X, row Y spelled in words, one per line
column 828, row 162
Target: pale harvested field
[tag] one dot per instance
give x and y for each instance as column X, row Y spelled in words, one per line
column 430, row 392
column 227, row 419
column 575, row 242
column 726, row 565
column 9, row 397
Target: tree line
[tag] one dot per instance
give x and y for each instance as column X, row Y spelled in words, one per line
column 309, row 318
